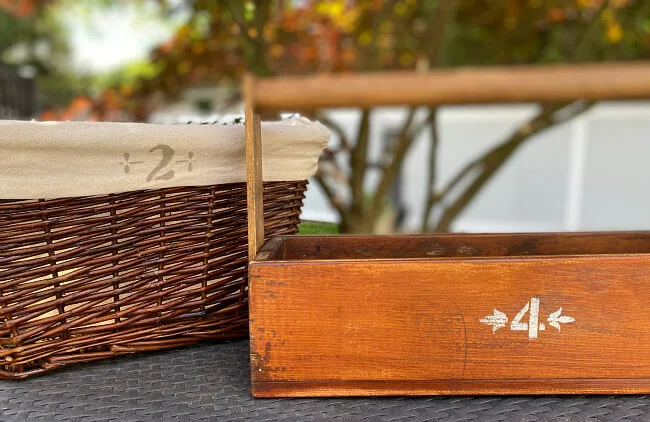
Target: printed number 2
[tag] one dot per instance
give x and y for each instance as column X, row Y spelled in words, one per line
column 167, row 155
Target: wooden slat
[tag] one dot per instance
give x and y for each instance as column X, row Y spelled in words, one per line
column 454, row 245
column 254, row 180
column 364, row 326
column 607, row 81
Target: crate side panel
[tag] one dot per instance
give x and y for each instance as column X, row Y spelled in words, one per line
column 502, row 319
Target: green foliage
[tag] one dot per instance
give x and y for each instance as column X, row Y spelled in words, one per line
column 12, row 31
column 128, row 76
column 220, row 40
column 37, row 40
column 315, row 227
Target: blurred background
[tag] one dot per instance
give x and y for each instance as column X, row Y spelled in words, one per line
column 528, row 167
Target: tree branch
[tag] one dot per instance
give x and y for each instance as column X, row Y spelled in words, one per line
column 404, row 141
column 358, row 158
column 433, row 158
column 254, row 47
column 345, row 142
column 514, row 140
column 490, row 162
column 589, row 35
column 236, row 8
column 330, row 194
column 495, row 158
column 441, row 18
column 373, row 49
column 331, row 168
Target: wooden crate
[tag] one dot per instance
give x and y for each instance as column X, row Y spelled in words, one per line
column 454, row 314
column 451, row 314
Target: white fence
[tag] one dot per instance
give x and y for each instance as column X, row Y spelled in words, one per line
column 591, row 173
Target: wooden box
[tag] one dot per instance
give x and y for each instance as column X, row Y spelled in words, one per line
column 451, row 314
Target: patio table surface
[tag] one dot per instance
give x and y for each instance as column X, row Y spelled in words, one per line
column 210, row 381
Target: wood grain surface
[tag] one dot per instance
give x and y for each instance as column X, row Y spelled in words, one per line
column 513, row 84
column 331, row 321
column 254, row 177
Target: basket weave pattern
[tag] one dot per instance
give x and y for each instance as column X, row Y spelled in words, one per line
column 94, row 277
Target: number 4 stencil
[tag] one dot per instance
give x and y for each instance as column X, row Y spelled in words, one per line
column 499, row 319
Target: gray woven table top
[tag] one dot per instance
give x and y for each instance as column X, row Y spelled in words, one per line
column 211, row 382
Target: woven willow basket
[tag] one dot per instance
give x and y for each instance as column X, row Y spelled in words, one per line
column 90, row 277
column 94, row 277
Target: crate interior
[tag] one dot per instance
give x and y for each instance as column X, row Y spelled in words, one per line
column 288, row 248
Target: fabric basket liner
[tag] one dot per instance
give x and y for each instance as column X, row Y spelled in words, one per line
column 67, row 159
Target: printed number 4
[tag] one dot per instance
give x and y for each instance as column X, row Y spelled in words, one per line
column 167, row 155
column 499, row 319
column 533, row 324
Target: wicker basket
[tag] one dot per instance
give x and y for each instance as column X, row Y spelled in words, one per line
column 93, row 277
column 143, row 244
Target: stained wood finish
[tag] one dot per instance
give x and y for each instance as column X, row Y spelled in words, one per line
column 455, row 245
column 345, row 315
column 514, row 84
column 254, row 189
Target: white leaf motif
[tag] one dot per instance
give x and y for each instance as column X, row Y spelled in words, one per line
column 554, row 319
column 497, row 320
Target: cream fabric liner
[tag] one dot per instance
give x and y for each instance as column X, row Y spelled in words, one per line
column 61, row 159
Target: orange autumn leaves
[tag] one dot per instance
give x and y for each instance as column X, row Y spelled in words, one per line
column 222, row 40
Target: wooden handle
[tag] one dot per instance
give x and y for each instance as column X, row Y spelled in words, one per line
column 254, row 180
column 518, row 84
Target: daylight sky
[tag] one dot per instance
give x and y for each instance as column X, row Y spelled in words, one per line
column 107, row 38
